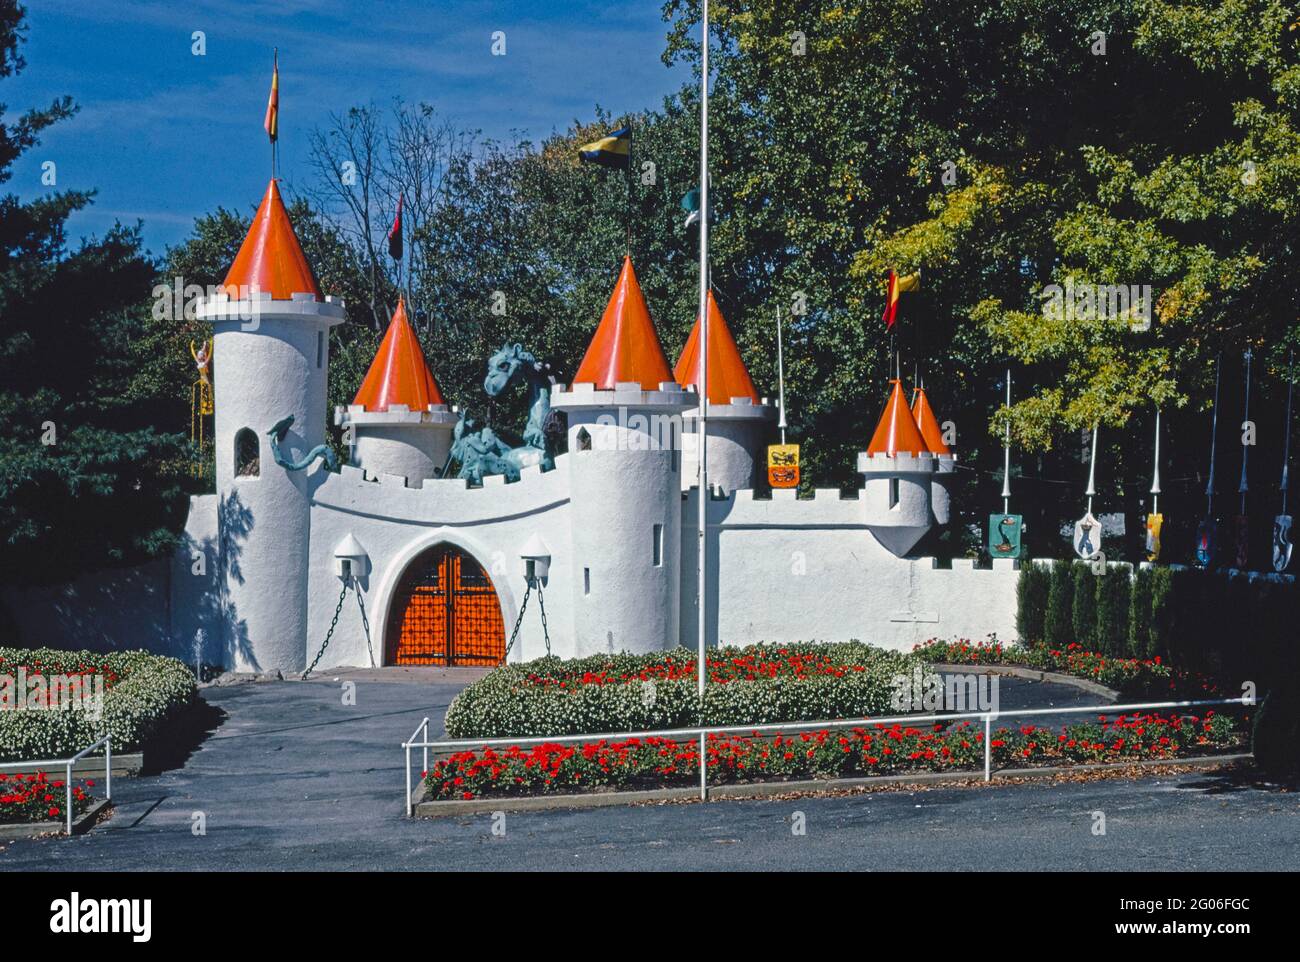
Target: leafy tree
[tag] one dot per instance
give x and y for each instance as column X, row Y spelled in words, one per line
column 86, row 480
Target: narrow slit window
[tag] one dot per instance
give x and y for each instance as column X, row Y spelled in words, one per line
column 320, row 348
column 247, row 455
column 584, row 440
column 586, row 581
column 658, row 545
column 893, row 492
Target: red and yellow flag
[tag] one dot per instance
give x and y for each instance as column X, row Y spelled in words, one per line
column 272, row 122
column 898, row 285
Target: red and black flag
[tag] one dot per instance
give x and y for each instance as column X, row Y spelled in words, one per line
column 395, row 233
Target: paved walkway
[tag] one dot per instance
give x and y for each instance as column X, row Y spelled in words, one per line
column 293, row 779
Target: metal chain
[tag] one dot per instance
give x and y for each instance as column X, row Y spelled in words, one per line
column 365, row 623
column 546, row 634
column 329, row 634
column 518, row 621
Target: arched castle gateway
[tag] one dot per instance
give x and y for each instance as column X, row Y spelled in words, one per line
column 439, row 563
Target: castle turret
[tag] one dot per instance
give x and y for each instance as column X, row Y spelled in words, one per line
column 945, row 458
column 271, row 351
column 739, row 421
column 898, row 468
column 398, row 423
column 624, row 413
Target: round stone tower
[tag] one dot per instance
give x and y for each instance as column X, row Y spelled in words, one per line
column 398, row 423
column 271, row 352
column 624, row 430
column 945, row 458
column 898, row 470
column 739, row 422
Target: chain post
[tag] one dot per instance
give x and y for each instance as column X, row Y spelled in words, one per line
column 541, row 605
column 347, row 582
column 518, row 621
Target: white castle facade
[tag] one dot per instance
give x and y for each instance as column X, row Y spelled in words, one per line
column 440, row 563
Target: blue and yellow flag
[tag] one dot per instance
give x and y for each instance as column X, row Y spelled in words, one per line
column 611, row 151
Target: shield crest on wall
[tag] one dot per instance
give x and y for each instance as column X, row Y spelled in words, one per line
column 1087, row 537
column 783, row 465
column 1154, row 523
column 1207, row 537
column 1281, row 542
column 1004, row 535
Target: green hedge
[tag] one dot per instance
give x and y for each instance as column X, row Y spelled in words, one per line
column 613, row 693
column 150, row 692
column 1223, row 624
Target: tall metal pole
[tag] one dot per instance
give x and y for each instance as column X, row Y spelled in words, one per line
column 1092, row 470
column 1006, row 455
column 702, row 423
column 1155, row 483
column 780, row 373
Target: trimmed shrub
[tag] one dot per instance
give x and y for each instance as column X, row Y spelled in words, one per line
column 1276, row 741
column 1058, row 625
column 143, row 695
column 1031, row 601
column 1083, row 616
column 1139, row 614
column 612, row 693
column 1114, row 594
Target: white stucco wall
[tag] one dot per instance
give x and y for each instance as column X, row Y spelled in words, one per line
column 787, row 569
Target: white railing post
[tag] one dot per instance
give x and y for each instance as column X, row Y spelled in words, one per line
column 988, row 748
column 68, row 786
column 407, row 746
column 424, row 726
column 704, row 770
column 108, row 767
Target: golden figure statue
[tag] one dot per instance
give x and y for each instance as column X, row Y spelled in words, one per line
column 200, row 397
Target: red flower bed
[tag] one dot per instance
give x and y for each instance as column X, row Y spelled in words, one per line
column 35, row 798
column 1149, row 676
column 869, row 749
column 750, row 666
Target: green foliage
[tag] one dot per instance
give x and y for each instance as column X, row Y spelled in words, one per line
column 87, row 479
column 1140, row 629
column 1058, row 623
column 144, row 696
column 1033, row 590
column 1114, row 597
column 1083, row 613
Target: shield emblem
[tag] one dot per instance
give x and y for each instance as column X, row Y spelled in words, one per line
column 1004, row 535
column 1241, row 541
column 1207, row 538
column 1281, row 542
column 1087, row 537
column 1154, row 523
column 783, row 465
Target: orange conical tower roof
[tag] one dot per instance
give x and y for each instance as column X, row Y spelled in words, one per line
column 897, row 432
column 271, row 258
column 923, row 414
column 728, row 377
column 625, row 347
column 399, row 374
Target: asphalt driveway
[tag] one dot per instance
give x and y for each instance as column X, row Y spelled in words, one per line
column 292, row 778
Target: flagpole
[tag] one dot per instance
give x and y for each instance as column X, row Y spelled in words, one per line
column 1286, row 438
column 1214, row 439
column 1245, row 448
column 1006, row 457
column 703, row 420
column 780, row 373
column 1155, row 481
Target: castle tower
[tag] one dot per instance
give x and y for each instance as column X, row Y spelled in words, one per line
column 271, row 337
column 898, row 469
column 625, row 415
column 945, row 458
column 398, row 423
column 739, row 421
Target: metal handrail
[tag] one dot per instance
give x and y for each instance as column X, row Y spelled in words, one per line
column 67, row 763
column 407, row 746
column 777, row 728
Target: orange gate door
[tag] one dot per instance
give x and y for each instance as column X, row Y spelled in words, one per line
column 445, row 612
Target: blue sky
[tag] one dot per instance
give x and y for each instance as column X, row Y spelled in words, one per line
column 166, row 136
